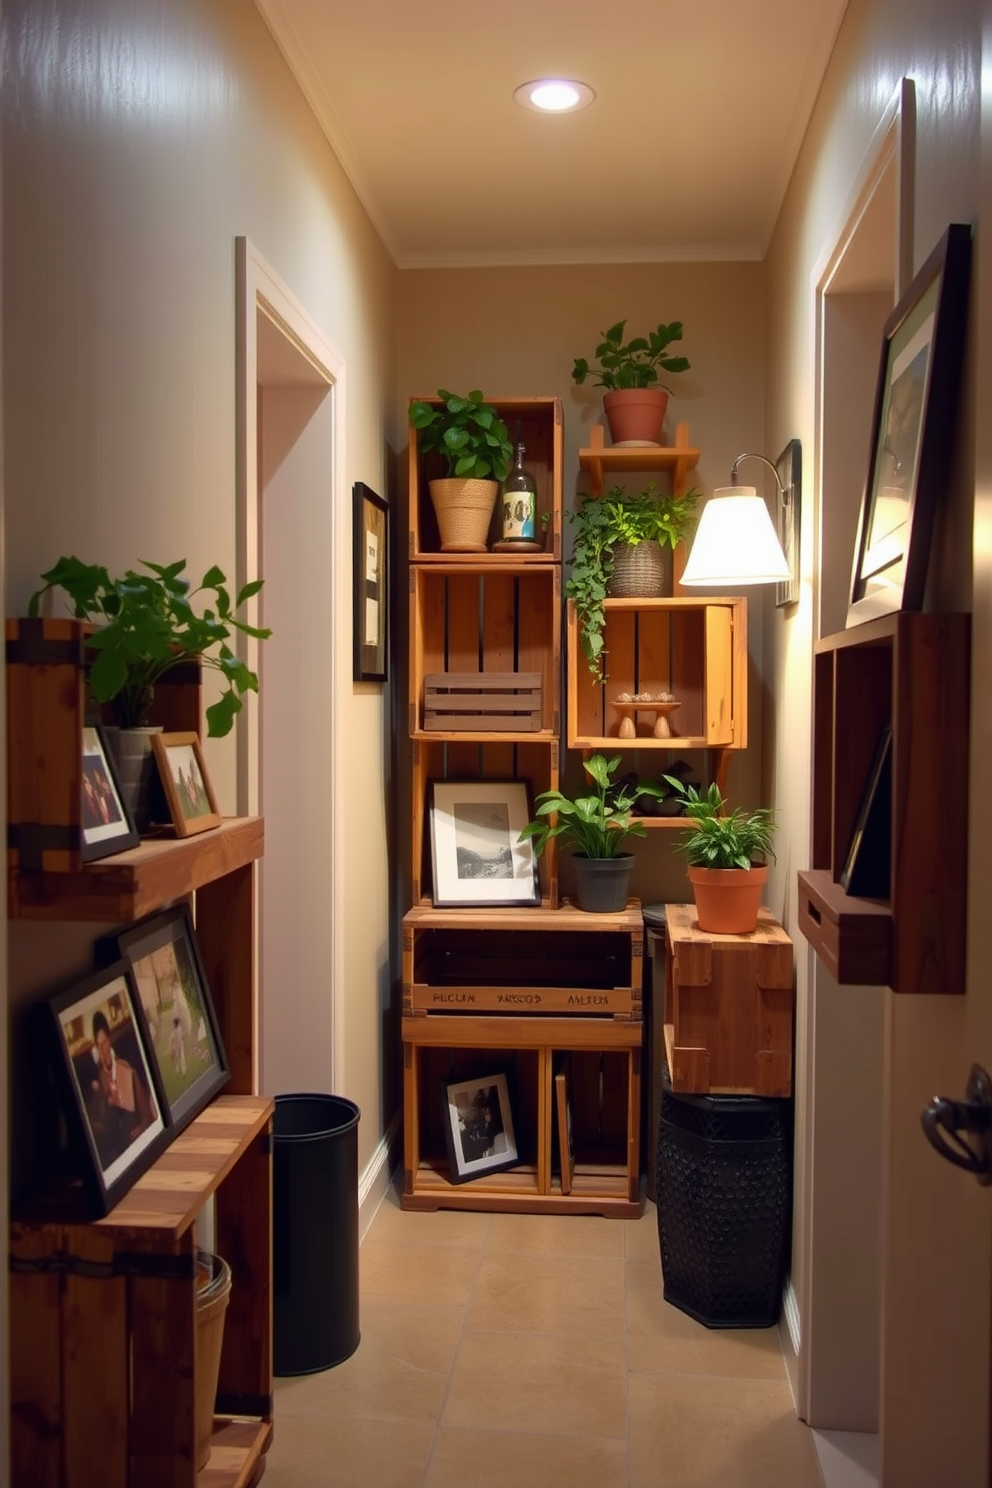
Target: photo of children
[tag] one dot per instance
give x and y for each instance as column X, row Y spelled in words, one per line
column 188, row 780
column 102, row 816
column 178, row 1023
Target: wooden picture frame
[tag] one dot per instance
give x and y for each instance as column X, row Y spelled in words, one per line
column 476, row 852
column 371, row 585
column 867, row 867
column 177, row 1014
column 915, row 405
column 192, row 803
column 116, row 1124
column 478, row 1126
column 105, row 823
column 789, row 468
column 566, row 1145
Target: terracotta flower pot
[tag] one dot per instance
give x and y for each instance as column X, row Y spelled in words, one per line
column 728, row 899
column 636, row 414
column 464, row 508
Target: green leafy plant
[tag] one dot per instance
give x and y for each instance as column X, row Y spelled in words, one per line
column 719, row 839
column 469, row 434
column 146, row 625
column 633, row 363
column 600, row 525
column 596, row 825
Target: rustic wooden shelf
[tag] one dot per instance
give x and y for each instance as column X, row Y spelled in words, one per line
column 909, row 672
column 601, row 459
column 134, row 883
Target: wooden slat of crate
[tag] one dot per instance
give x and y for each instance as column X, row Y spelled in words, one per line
column 35, row 1358
column 728, row 1007
column 617, row 1002
column 482, row 702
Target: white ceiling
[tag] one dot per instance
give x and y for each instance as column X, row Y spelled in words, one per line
column 686, row 153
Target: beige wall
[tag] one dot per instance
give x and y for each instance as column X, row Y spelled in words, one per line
column 921, row 1296
column 518, row 331
column 140, row 142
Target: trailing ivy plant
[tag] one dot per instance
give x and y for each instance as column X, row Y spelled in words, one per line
column 146, row 625
column 596, row 825
column 719, row 839
column 633, row 363
column 468, row 432
column 600, row 526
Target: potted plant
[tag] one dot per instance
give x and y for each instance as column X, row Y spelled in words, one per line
column 475, row 445
column 145, row 626
column 634, row 403
column 721, row 852
column 595, row 827
column 619, row 548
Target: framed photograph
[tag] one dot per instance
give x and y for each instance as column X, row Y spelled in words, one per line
column 114, row 1117
column 177, row 1015
column 105, row 822
column 915, row 406
column 190, row 795
column 566, row 1147
column 867, row 867
column 789, row 466
column 371, row 585
column 475, row 848
column 478, row 1127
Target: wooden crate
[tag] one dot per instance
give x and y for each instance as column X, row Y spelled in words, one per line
column 728, row 1007
column 47, row 707
column 494, row 702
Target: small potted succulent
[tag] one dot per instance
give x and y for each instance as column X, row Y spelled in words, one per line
column 725, row 853
column 595, row 827
column 475, row 445
column 634, row 402
column 619, row 548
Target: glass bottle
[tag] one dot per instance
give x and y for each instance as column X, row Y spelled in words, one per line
column 519, row 500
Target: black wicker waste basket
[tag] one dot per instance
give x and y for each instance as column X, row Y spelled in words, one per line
column 314, row 1232
column 724, row 1205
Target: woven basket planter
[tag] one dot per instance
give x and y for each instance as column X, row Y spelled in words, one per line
column 464, row 509
column 641, row 571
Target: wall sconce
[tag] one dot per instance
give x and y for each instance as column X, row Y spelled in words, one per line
column 736, row 543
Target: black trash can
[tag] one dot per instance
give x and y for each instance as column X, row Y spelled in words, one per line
column 724, row 1205
column 654, row 1038
column 315, row 1232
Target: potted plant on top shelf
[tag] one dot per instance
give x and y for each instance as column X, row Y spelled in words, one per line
column 475, row 445
column 144, row 627
column 595, row 827
column 725, row 853
column 634, row 403
column 620, row 550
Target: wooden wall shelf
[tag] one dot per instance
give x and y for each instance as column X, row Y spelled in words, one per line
column 909, row 672
column 602, row 460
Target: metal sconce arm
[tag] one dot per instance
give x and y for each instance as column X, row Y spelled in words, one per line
column 786, row 492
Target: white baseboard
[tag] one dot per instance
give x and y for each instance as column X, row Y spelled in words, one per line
column 790, row 1311
column 848, row 1459
column 373, row 1184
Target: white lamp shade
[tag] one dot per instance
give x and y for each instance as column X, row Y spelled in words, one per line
column 735, row 542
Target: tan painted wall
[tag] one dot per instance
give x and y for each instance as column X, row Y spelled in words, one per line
column 518, row 331
column 140, row 141
column 933, row 1262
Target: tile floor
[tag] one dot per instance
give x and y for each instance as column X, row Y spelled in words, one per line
column 535, row 1351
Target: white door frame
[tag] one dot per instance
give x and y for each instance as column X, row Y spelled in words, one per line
column 259, row 289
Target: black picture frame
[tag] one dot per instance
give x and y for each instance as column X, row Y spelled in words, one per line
column 106, row 825
column 177, row 1014
column 867, row 867
column 477, row 857
column 478, row 1126
column 371, row 585
column 915, row 406
column 789, row 468
column 115, row 1121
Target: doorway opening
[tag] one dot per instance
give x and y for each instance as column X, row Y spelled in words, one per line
column 290, row 501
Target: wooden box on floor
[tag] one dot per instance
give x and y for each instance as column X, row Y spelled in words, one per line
column 728, row 1007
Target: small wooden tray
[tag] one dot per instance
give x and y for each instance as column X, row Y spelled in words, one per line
column 628, row 723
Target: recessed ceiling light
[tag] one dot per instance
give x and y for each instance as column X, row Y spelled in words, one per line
column 554, row 95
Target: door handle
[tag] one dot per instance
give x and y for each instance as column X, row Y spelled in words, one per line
column 961, row 1131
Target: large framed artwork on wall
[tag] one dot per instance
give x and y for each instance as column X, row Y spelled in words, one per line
column 915, row 406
